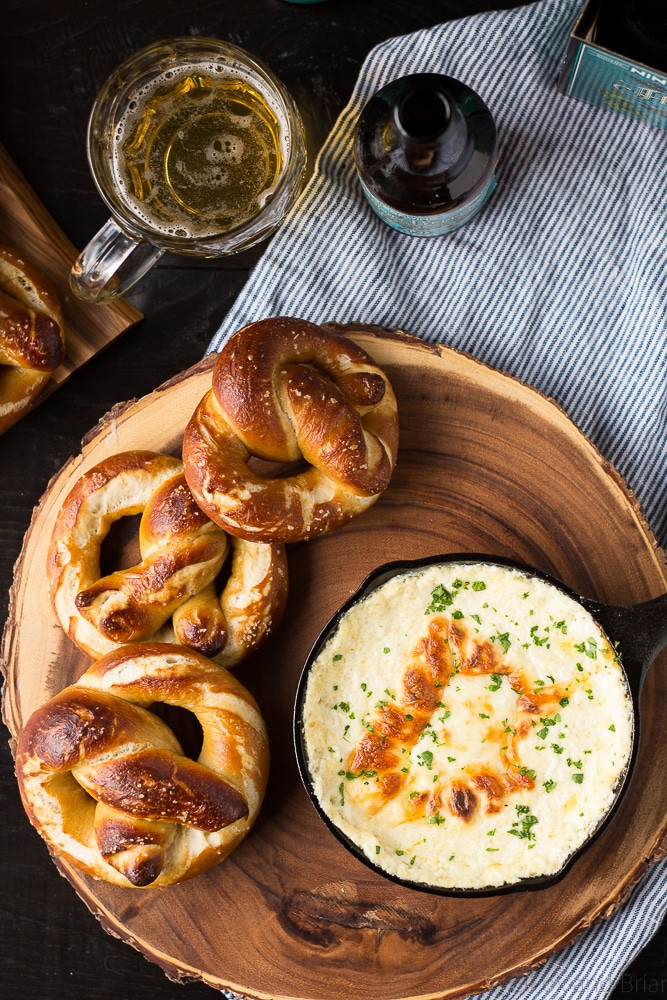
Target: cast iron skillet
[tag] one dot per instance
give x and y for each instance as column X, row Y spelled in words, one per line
column 638, row 632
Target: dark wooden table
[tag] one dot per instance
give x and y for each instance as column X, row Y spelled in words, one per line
column 54, row 55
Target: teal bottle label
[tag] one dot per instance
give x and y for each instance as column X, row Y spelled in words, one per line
column 437, row 224
column 610, row 81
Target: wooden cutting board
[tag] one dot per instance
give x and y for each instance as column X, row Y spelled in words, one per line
column 27, row 227
column 486, row 465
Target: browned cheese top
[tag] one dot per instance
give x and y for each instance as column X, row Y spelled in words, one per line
column 466, row 726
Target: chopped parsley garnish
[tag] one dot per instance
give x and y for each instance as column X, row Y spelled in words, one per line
column 440, row 599
column 478, row 585
column 589, row 647
column 496, row 681
column 533, row 636
column 337, row 656
column 425, row 758
column 523, row 827
column 550, row 721
column 351, row 775
column 578, row 777
column 549, row 785
column 503, row 638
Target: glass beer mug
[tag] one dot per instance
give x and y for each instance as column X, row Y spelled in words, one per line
column 196, row 147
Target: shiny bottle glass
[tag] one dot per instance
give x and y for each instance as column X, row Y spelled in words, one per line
column 425, row 150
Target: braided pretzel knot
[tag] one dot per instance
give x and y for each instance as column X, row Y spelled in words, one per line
column 182, row 553
column 286, row 390
column 107, row 785
column 32, row 341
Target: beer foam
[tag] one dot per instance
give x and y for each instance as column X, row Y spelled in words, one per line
column 225, row 149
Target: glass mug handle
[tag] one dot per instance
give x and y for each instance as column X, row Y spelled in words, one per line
column 111, row 264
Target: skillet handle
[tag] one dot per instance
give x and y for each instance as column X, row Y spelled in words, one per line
column 639, row 632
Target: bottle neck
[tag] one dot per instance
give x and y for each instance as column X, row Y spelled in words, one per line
column 428, row 129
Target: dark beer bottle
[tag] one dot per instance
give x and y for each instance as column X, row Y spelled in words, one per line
column 425, row 151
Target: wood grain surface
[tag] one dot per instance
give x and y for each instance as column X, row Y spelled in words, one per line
column 27, row 227
column 486, row 465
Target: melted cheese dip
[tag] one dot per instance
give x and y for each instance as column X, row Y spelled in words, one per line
column 466, row 726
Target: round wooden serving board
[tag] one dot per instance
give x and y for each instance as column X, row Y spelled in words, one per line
column 486, row 465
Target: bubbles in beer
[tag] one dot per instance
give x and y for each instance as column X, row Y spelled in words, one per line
column 199, row 151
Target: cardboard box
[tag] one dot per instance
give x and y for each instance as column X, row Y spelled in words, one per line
column 606, row 79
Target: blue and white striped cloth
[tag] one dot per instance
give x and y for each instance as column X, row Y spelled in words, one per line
column 559, row 280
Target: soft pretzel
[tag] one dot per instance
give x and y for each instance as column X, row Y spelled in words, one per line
column 32, row 342
column 286, row 390
column 171, row 594
column 107, row 785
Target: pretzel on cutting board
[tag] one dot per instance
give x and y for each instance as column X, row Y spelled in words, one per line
column 171, row 594
column 285, row 390
column 108, row 785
